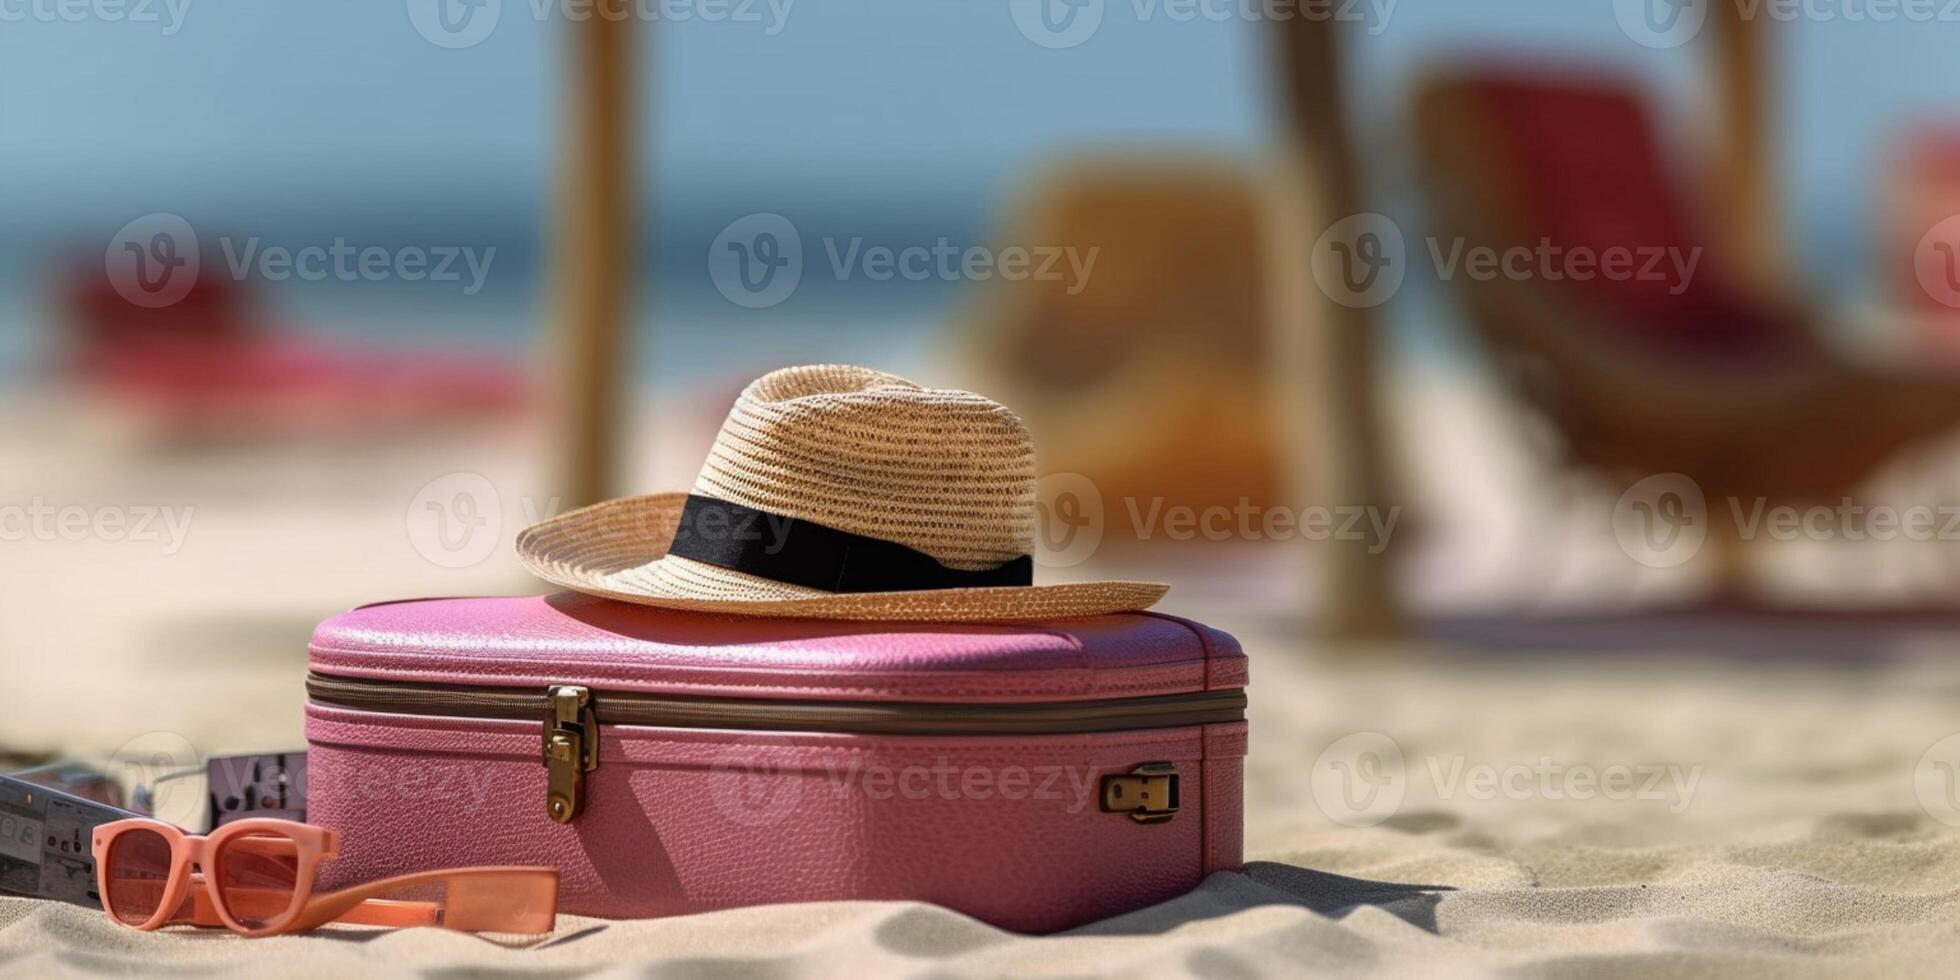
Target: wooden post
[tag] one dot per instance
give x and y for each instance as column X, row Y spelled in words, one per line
column 1358, row 597
column 1745, row 185
column 592, row 274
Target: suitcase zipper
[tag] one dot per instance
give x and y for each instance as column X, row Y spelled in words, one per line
column 571, row 715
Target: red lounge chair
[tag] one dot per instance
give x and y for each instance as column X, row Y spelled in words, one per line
column 1708, row 379
column 1922, row 263
column 207, row 365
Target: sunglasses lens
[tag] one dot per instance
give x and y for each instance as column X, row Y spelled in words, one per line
column 139, row 874
column 258, row 875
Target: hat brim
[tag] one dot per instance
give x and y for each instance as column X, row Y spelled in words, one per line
column 618, row 550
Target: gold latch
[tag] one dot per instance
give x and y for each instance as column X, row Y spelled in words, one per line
column 1147, row 793
column 571, row 749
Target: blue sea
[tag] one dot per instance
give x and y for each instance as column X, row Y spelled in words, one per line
column 881, row 122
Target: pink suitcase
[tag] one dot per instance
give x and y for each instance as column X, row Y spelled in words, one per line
column 1034, row 776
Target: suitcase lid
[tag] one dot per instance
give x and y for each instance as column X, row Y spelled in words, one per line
column 570, row 638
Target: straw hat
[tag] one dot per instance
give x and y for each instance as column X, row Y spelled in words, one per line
column 835, row 492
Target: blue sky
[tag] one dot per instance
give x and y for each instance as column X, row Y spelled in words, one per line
column 285, row 111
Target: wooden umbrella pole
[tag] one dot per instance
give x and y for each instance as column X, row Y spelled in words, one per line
column 592, row 274
column 1358, row 597
column 1745, row 175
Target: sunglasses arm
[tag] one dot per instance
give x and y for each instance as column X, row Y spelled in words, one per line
column 492, row 899
column 198, row 910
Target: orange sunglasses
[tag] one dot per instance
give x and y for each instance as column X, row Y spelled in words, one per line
column 258, row 881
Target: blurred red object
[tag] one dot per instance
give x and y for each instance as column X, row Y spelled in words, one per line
column 1594, row 179
column 211, row 362
column 1922, row 235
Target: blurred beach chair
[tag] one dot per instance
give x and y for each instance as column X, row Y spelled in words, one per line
column 1919, row 231
column 213, row 367
column 1151, row 375
column 1707, row 376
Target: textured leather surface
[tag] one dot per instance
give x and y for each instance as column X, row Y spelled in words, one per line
column 1224, row 796
column 1006, row 829
column 576, row 639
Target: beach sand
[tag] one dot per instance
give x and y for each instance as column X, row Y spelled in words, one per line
column 1770, row 824
column 1801, row 850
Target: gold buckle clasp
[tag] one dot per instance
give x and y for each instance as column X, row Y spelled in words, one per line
column 1148, row 793
column 571, row 749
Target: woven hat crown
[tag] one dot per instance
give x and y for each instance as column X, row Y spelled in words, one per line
column 946, row 472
